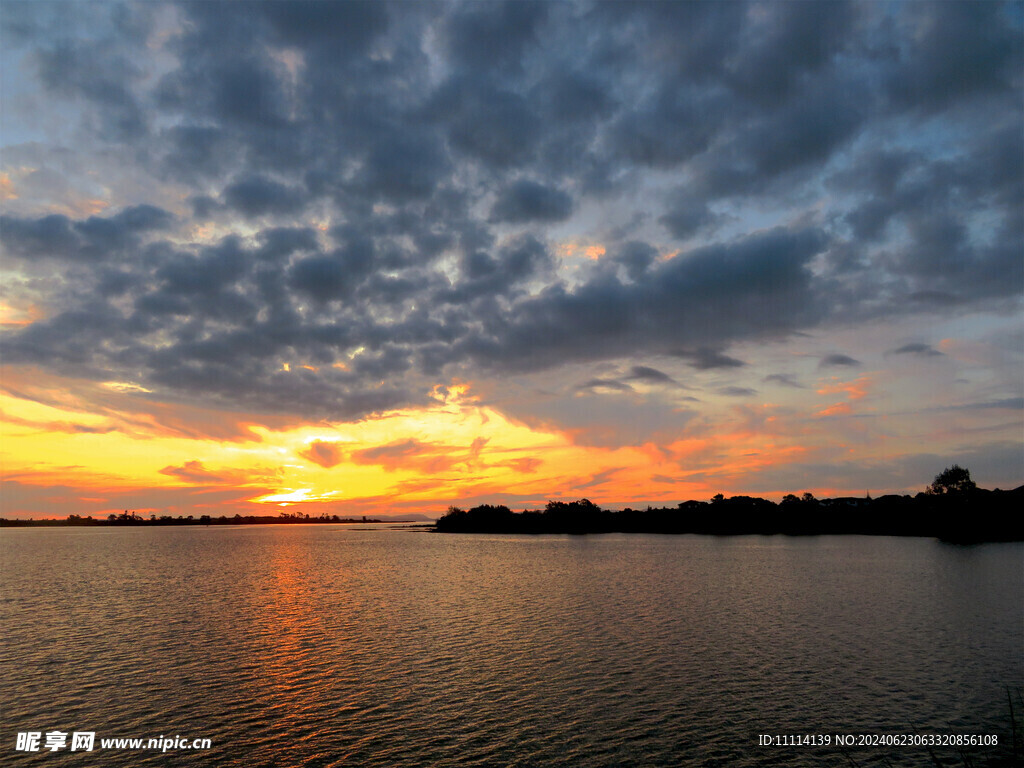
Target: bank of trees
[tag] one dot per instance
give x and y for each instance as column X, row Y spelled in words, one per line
column 953, row 508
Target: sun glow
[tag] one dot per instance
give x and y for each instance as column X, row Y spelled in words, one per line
column 303, row 494
column 99, row 440
column 13, row 316
column 108, row 446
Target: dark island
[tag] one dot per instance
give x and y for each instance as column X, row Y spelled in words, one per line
column 952, row 509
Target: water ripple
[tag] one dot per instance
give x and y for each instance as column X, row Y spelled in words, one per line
column 331, row 647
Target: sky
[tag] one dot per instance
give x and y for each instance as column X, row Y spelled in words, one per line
column 365, row 258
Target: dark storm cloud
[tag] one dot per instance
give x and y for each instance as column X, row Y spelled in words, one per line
column 918, row 349
column 785, row 379
column 687, row 216
column 958, row 50
column 704, row 358
column 636, row 257
column 278, row 243
column 422, row 132
column 787, row 43
column 345, row 29
column 326, row 277
column 838, row 360
column 946, row 255
column 670, row 128
column 525, row 201
column 94, row 72
column 496, row 36
column 573, row 98
column 404, row 165
column 487, row 123
column 753, row 287
column 738, row 391
column 258, row 195
column 649, row 375
column 93, row 239
column 596, row 385
column 484, row 275
column 49, row 236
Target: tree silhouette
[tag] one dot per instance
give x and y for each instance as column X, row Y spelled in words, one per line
column 953, row 481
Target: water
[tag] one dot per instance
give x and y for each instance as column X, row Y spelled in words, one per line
column 328, row 646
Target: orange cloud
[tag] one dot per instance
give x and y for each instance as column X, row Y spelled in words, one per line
column 573, row 248
column 194, row 472
column 854, row 390
column 414, row 455
column 839, row 409
column 7, row 188
column 526, row 465
column 128, row 409
column 67, row 427
column 15, row 316
column 323, row 453
column 92, row 439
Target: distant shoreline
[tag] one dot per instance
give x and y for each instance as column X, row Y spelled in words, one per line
column 976, row 517
column 204, row 520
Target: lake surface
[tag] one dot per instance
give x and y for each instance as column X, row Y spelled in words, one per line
column 328, row 646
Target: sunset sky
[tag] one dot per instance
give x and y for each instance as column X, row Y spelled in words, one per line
column 363, row 258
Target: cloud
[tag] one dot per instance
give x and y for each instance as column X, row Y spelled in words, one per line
column 258, row 195
column 68, row 427
column 487, row 123
column 333, row 207
column 195, row 473
column 649, row 375
column 596, row 385
column 323, row 453
column 636, row 257
column 525, row 201
column 526, row 465
column 916, row 349
column 1010, row 404
column 598, row 479
column 785, row 379
column 744, row 289
column 498, row 36
column 412, row 454
column 837, row 360
column 854, row 390
column 603, row 414
column 901, row 473
column 89, row 70
column 960, row 51
column 93, row 239
column 704, row 359
column 687, row 215
column 738, row 391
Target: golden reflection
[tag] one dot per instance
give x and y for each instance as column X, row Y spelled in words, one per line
column 287, row 626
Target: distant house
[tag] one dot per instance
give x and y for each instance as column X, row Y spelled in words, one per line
column 693, row 506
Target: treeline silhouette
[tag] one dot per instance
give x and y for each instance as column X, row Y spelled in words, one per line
column 133, row 518
column 953, row 509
